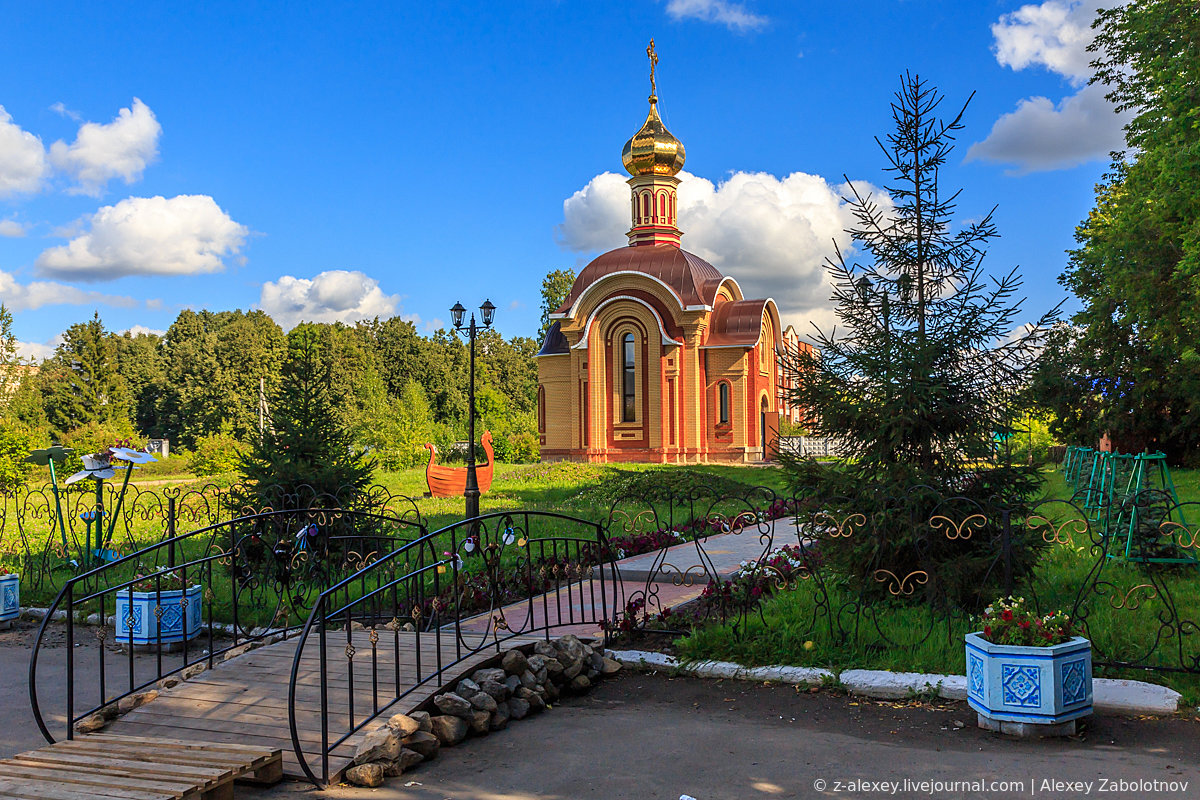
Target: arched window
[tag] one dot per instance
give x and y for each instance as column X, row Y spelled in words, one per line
column 723, row 403
column 628, row 379
column 541, row 410
column 645, row 206
column 662, row 204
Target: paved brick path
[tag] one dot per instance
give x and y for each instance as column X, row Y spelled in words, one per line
column 673, row 577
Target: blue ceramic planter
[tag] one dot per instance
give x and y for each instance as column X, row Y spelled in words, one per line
column 1032, row 685
column 10, row 596
column 138, row 621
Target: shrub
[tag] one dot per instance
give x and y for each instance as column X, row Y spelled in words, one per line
column 522, row 448
column 16, row 442
column 216, row 454
column 96, row 436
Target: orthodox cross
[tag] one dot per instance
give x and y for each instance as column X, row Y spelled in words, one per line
column 653, row 63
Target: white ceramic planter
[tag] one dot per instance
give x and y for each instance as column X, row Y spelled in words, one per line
column 10, row 596
column 138, row 622
column 1030, row 685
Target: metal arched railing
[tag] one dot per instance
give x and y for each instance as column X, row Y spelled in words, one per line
column 426, row 607
column 193, row 598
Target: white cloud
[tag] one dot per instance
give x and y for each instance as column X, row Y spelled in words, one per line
column 61, row 109
column 183, row 235
column 23, row 164
column 1054, row 35
column 12, row 229
column 596, row 217
column 119, row 149
column 28, row 296
column 734, row 16
column 771, row 234
column 38, row 351
column 1040, row 135
column 335, row 295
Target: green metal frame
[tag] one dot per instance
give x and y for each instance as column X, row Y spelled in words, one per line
column 1106, row 482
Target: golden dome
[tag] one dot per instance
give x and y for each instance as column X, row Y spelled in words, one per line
column 653, row 150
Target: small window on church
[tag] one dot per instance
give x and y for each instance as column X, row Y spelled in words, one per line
column 723, row 403
column 628, row 380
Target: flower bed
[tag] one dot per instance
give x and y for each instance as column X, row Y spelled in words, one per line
column 1026, row 668
column 1029, row 684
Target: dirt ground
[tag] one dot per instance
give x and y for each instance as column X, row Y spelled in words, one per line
column 652, row 736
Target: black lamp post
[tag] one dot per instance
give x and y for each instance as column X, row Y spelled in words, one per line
column 487, row 313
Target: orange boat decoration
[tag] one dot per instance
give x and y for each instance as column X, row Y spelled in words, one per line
column 452, row 481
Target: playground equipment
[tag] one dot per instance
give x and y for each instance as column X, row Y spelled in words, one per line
column 1131, row 498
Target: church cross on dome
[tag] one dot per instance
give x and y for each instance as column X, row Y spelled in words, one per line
column 653, row 56
column 653, row 157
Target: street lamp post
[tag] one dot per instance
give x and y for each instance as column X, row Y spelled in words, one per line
column 487, row 312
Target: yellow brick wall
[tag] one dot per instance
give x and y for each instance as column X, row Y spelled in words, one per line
column 560, row 377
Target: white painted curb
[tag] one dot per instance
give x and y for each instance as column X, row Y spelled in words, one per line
column 1111, row 695
column 897, row 685
column 1133, row 697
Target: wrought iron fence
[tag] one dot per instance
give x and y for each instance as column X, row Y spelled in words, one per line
column 95, row 527
column 1128, row 572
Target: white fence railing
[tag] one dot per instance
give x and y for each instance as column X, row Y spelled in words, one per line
column 810, row 446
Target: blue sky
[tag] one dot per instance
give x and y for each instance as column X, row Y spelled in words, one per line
column 344, row 160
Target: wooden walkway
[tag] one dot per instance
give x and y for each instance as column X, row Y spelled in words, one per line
column 245, row 700
column 134, row 768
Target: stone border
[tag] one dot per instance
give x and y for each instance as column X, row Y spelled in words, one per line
column 521, row 682
column 1113, row 695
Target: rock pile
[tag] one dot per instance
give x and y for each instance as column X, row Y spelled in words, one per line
column 522, row 685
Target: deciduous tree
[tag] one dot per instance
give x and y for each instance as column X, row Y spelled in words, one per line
column 1130, row 365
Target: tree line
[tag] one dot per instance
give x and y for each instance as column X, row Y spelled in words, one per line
column 201, row 385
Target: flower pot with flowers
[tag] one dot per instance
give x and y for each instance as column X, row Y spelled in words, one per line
column 158, row 607
column 1026, row 673
column 10, row 595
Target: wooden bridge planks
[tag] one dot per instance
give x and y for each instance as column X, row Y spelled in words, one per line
column 107, row 765
column 245, row 700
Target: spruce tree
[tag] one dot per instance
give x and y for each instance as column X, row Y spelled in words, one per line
column 304, row 443
column 926, row 370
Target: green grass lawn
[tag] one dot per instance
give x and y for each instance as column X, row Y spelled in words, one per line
column 578, row 490
column 1124, row 617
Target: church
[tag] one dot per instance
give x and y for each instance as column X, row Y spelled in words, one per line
column 655, row 356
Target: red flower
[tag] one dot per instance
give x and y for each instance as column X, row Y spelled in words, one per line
column 987, row 631
column 1006, row 615
column 1024, row 624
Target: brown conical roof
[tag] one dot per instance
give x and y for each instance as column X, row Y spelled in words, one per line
column 694, row 280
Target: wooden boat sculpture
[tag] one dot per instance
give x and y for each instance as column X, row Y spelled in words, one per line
column 452, row 481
